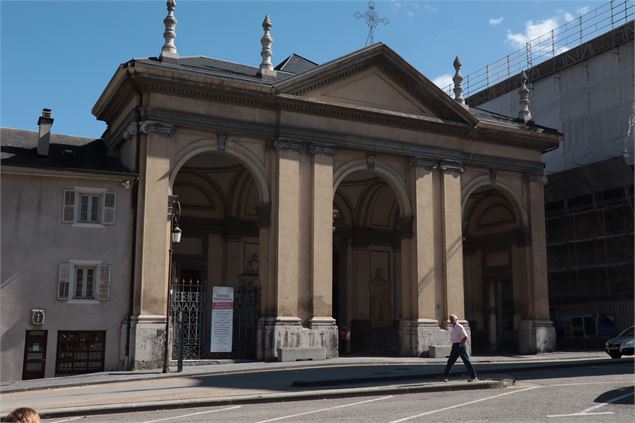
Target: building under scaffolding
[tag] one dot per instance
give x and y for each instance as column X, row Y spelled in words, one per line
column 587, row 92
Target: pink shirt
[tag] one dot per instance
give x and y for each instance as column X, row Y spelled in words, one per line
column 457, row 334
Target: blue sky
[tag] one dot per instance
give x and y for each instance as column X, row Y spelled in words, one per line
column 62, row 54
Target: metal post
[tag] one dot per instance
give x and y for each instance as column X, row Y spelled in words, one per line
column 179, row 319
column 168, row 312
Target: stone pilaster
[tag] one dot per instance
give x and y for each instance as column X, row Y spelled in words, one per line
column 453, row 238
column 151, row 271
column 322, row 235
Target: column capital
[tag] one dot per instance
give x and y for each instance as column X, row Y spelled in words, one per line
column 285, row 143
column 154, row 126
column 426, row 163
column 322, row 149
column 451, row 166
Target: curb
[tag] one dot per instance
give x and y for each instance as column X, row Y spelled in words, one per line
column 572, row 362
column 277, row 397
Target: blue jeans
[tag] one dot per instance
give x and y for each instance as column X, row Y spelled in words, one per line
column 459, row 351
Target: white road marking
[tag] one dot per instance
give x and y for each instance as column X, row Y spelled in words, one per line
column 587, row 412
column 69, row 420
column 462, row 405
column 326, row 409
column 193, row 414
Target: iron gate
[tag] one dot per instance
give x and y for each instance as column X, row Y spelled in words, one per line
column 246, row 313
column 192, row 315
column 188, row 299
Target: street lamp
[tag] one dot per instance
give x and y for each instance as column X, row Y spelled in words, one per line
column 174, row 214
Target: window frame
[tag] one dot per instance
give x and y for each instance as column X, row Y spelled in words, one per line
column 97, row 266
column 72, row 207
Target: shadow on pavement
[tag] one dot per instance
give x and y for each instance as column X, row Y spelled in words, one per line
column 617, row 393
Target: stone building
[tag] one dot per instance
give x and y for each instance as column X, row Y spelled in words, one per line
column 349, row 194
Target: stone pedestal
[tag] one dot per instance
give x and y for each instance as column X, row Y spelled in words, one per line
column 288, row 332
column 147, row 335
column 536, row 336
column 417, row 336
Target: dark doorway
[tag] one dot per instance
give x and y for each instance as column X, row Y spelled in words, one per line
column 34, row 363
column 499, row 302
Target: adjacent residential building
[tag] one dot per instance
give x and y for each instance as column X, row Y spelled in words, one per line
column 67, row 225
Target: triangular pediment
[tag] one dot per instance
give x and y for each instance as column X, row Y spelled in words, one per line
column 371, row 88
column 377, row 78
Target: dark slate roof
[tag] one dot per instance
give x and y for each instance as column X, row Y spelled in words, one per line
column 218, row 68
column 19, row 148
column 509, row 122
column 296, row 64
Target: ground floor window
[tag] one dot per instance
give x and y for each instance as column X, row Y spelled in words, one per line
column 80, row 352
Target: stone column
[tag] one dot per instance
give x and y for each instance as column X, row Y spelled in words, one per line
column 420, row 328
column 537, row 334
column 152, row 243
column 322, row 248
column 453, row 238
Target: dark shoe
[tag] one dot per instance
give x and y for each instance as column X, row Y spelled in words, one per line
column 443, row 378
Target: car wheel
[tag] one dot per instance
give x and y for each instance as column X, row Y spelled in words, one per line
column 615, row 355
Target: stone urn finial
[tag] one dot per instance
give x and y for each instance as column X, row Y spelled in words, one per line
column 169, row 48
column 524, row 114
column 266, row 42
column 458, row 82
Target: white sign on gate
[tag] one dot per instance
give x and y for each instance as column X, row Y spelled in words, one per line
column 222, row 319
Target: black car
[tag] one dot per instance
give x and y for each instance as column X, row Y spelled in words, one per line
column 622, row 344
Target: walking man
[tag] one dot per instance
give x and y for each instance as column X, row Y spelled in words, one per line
column 459, row 338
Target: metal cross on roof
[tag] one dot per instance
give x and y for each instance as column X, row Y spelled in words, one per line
column 372, row 19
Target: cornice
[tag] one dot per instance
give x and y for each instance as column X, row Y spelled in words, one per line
column 94, row 174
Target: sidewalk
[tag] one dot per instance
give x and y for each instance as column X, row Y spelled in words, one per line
column 231, row 383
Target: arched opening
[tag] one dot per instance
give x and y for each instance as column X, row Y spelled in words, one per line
column 366, row 264
column 492, row 232
column 219, row 248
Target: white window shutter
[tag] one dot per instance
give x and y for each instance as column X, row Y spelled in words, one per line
column 108, row 213
column 103, row 291
column 64, row 281
column 68, row 214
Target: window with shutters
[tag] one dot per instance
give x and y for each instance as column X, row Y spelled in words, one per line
column 89, row 207
column 83, row 280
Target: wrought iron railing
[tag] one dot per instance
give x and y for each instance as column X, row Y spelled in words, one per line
column 573, row 33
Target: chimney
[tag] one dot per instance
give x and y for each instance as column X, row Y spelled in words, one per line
column 44, row 134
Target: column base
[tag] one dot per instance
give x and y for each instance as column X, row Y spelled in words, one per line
column 536, row 336
column 288, row 332
column 147, row 335
column 416, row 336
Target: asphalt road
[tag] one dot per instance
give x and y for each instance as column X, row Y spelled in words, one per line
column 587, row 394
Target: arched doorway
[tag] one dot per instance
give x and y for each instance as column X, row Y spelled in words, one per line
column 492, row 231
column 219, row 247
column 366, row 263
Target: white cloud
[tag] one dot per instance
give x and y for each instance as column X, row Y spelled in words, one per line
column 583, row 10
column 443, row 81
column 532, row 30
column 396, row 3
column 568, row 17
column 411, row 13
column 495, row 21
